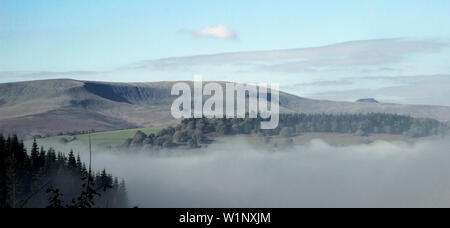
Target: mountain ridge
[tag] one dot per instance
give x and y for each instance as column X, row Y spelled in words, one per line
column 63, row 105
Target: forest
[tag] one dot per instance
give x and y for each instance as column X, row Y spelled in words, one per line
column 192, row 133
column 50, row 179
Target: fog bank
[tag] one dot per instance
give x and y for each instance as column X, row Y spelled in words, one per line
column 236, row 174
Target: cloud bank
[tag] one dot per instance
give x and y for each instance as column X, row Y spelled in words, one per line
column 353, row 53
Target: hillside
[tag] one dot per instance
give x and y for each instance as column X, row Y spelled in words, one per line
column 64, row 105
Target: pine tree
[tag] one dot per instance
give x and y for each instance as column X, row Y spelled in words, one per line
column 4, row 188
column 79, row 164
column 23, row 179
column 42, row 157
column 34, row 156
column 18, row 152
column 72, row 162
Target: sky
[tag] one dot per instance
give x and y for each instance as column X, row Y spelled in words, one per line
column 337, row 50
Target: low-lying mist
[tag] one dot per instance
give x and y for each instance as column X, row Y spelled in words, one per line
column 235, row 173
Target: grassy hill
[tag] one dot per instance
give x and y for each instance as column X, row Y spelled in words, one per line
column 99, row 139
column 64, row 105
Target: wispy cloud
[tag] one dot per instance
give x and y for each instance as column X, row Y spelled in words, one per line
column 340, row 82
column 353, row 53
column 217, row 32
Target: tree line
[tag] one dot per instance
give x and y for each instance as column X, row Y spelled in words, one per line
column 194, row 132
column 46, row 178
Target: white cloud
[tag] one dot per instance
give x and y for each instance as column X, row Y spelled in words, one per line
column 218, row 32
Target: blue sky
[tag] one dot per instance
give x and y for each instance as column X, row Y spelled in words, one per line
column 125, row 41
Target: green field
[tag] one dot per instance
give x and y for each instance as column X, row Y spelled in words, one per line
column 102, row 139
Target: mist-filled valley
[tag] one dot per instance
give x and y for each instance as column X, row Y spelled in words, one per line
column 236, row 173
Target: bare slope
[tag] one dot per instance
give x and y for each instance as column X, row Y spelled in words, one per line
column 53, row 106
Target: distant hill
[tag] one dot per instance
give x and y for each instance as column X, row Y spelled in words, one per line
column 367, row 100
column 64, row 105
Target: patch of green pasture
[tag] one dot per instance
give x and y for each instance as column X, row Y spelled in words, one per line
column 103, row 139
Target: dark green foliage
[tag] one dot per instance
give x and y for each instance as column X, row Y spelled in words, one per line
column 63, row 140
column 35, row 162
column 286, row 132
column 138, row 139
column 54, row 198
column 25, row 178
column 72, row 162
column 193, row 132
column 4, row 190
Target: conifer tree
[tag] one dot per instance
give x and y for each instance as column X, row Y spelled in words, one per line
column 42, row 157
column 72, row 162
column 34, row 156
column 4, row 193
column 23, row 178
column 79, row 164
